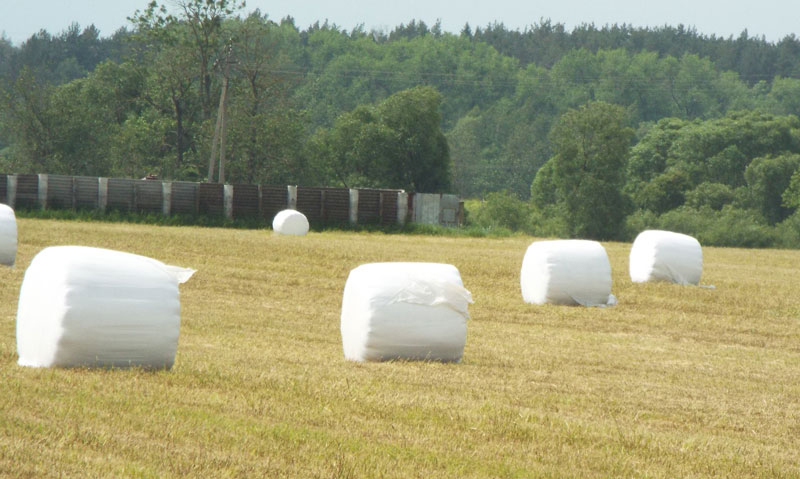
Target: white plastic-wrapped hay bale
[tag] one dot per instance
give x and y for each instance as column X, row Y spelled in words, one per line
column 666, row 256
column 81, row 306
column 290, row 222
column 570, row 272
column 415, row 311
column 8, row 235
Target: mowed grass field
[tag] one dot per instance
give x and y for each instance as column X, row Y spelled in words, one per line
column 673, row 382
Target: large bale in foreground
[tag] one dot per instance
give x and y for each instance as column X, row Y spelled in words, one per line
column 415, row 311
column 93, row 307
column 8, row 235
column 290, row 222
column 665, row 256
column 569, row 272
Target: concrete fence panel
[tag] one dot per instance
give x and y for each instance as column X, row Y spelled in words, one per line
column 27, row 196
column 184, row 198
column 4, row 189
column 402, row 207
column 273, row 200
column 120, row 194
column 60, row 192
column 211, row 199
column 388, row 207
column 369, row 206
column 245, row 201
column 309, row 202
column 148, row 196
column 319, row 204
column 87, row 193
column 336, row 205
column 377, row 206
column 449, row 205
column 427, row 208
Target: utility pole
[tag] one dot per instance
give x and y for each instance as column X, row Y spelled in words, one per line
column 223, row 107
column 219, row 128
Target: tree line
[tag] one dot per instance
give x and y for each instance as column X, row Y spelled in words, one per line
column 703, row 126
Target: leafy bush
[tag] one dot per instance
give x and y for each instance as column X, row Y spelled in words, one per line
column 639, row 221
column 728, row 227
column 549, row 222
column 741, row 228
column 712, row 195
column 787, row 233
column 503, row 210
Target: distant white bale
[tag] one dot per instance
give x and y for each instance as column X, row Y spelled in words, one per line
column 81, row 306
column 566, row 272
column 666, row 256
column 8, row 235
column 404, row 311
column 290, row 222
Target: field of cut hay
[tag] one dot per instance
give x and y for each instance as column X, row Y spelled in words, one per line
column 673, row 382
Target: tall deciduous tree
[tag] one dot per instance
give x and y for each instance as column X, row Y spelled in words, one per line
column 591, row 146
column 27, row 120
column 396, row 144
column 203, row 19
column 265, row 131
column 422, row 157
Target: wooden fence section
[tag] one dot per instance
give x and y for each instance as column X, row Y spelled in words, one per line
column 320, row 205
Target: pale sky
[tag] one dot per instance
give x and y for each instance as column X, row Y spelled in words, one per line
column 774, row 19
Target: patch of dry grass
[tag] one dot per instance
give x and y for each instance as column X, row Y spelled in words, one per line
column 673, row 382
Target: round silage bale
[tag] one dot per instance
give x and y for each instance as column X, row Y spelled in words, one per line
column 411, row 311
column 8, row 235
column 290, row 222
column 93, row 307
column 665, row 256
column 568, row 272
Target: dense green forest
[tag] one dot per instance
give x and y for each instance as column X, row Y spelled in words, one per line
column 594, row 132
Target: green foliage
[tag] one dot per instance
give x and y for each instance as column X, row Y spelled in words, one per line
column 768, row 178
column 543, row 188
column 786, row 94
column 503, row 210
column 717, row 118
column 711, row 195
column 591, row 149
column 744, row 159
column 791, row 196
column 665, row 192
column 728, row 227
column 395, row 144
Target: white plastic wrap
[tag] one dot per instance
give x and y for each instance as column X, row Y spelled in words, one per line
column 8, row 235
column 290, row 222
column 415, row 311
column 570, row 272
column 93, row 307
column 666, row 256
